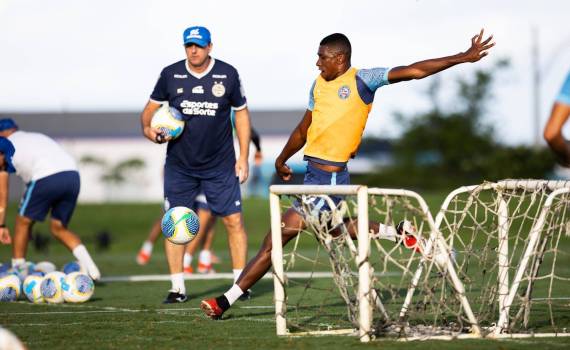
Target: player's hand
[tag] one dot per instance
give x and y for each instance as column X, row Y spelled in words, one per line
column 479, row 47
column 5, row 237
column 242, row 169
column 155, row 135
column 283, row 170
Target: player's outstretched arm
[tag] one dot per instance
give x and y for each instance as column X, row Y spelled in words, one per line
column 553, row 133
column 294, row 144
column 243, row 131
column 479, row 49
column 149, row 132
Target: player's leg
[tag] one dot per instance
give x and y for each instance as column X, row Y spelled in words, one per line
column 256, row 268
column 180, row 189
column 65, row 190
column 145, row 252
column 237, row 240
column 208, row 242
column 22, row 231
column 204, row 216
column 222, row 190
column 205, row 257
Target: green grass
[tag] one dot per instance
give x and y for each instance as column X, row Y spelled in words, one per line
column 130, row 315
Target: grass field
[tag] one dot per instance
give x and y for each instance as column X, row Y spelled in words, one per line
column 129, row 315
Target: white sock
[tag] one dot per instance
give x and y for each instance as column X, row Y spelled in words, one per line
column 147, row 247
column 233, row 294
column 386, row 232
column 81, row 253
column 187, row 260
column 177, row 280
column 18, row 261
column 237, row 272
column 205, row 257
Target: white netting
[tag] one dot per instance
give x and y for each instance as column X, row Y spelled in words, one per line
column 508, row 236
column 420, row 291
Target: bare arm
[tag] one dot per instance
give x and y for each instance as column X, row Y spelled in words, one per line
column 243, row 132
column 150, row 133
column 419, row 70
column 294, row 144
column 553, row 133
column 4, row 231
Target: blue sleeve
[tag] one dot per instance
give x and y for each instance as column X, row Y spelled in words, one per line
column 564, row 95
column 311, row 105
column 374, row 78
column 160, row 92
column 237, row 95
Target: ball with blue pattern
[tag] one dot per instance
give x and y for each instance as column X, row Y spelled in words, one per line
column 180, row 225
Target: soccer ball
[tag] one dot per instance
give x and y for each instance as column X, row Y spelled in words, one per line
column 169, row 120
column 180, row 225
column 51, row 287
column 78, row 288
column 32, row 289
column 45, row 267
column 10, row 287
column 73, row 266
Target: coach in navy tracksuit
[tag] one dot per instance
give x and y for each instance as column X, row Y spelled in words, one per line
column 203, row 158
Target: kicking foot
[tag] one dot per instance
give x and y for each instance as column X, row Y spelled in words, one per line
column 211, row 308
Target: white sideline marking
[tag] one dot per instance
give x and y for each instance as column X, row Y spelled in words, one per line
column 111, row 309
column 220, row 276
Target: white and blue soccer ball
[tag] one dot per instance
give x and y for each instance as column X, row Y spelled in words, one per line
column 169, row 120
column 78, row 288
column 51, row 287
column 180, row 225
column 45, row 267
column 32, row 288
column 23, row 270
column 73, row 266
column 10, row 287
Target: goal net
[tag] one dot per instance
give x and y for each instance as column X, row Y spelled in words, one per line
column 509, row 237
column 490, row 257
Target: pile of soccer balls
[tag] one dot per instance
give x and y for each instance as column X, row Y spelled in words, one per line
column 41, row 282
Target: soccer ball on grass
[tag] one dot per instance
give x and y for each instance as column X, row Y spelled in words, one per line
column 78, row 288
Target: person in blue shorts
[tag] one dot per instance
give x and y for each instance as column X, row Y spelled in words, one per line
column 204, row 90
column 52, row 185
column 558, row 117
column 340, row 100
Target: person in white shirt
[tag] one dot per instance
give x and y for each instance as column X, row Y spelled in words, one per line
column 52, row 185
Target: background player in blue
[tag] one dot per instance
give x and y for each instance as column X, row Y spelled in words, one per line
column 331, row 130
column 52, row 186
column 558, row 117
column 204, row 90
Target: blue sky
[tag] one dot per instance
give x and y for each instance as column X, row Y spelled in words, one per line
column 79, row 55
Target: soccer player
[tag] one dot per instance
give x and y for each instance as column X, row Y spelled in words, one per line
column 52, row 184
column 558, row 117
column 204, row 90
column 340, row 100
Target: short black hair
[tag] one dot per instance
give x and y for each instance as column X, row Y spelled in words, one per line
column 339, row 41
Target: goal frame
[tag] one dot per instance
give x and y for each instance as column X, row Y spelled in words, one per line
column 363, row 241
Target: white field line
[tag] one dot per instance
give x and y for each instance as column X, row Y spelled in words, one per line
column 220, row 276
column 110, row 309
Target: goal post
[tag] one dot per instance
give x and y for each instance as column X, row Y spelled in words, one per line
column 491, row 254
column 367, row 296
